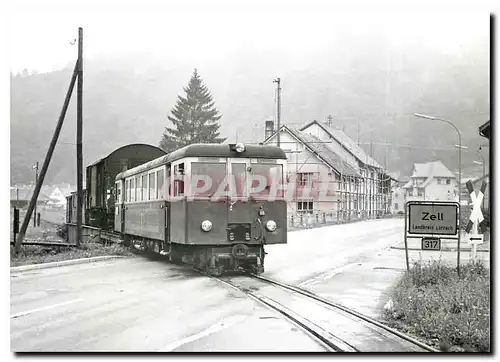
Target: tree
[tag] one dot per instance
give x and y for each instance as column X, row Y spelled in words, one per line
column 194, row 118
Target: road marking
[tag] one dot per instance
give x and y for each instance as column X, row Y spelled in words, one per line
column 20, row 314
column 226, row 323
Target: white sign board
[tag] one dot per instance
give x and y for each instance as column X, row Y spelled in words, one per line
column 432, row 218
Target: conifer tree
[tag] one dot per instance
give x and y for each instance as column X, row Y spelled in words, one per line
column 194, row 118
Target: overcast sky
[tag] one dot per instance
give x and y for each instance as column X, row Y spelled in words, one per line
column 41, row 40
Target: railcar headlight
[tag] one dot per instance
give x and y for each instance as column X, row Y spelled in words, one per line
column 240, row 147
column 271, row 225
column 206, row 225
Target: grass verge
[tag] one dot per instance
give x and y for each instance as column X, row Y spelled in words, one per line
column 35, row 254
column 448, row 311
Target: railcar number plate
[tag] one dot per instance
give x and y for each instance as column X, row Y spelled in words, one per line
column 431, row 244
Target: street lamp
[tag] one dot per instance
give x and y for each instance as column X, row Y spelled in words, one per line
column 459, row 177
column 483, row 163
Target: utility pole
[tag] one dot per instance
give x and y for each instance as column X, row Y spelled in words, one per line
column 278, row 106
column 79, row 131
column 45, row 164
column 358, row 132
column 35, row 167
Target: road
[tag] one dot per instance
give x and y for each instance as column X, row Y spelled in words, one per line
column 139, row 304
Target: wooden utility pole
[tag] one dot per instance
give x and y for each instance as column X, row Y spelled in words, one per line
column 46, row 162
column 36, row 181
column 278, row 106
column 79, row 131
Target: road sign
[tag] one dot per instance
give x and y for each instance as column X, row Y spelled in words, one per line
column 437, row 218
column 476, row 215
column 430, row 243
column 475, row 238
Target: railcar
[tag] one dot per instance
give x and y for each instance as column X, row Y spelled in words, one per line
column 214, row 206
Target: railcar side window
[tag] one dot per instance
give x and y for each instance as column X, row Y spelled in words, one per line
column 144, row 188
column 160, row 194
column 119, row 192
column 138, row 189
column 179, row 180
column 152, row 187
column 132, row 190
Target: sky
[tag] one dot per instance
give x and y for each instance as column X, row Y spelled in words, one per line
column 39, row 39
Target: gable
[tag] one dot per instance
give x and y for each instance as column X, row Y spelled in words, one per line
column 326, row 132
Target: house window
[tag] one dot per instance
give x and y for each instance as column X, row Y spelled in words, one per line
column 305, row 207
column 447, row 181
column 396, row 206
column 305, row 178
column 420, row 191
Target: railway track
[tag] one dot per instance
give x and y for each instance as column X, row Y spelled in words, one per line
column 338, row 328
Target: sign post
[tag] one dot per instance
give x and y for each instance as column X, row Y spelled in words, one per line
column 430, row 221
column 476, row 218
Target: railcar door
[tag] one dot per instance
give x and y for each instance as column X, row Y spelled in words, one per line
column 119, row 211
column 239, row 215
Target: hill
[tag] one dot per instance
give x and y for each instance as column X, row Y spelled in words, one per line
column 370, row 90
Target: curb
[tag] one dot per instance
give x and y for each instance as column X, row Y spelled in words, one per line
column 444, row 249
column 22, row 268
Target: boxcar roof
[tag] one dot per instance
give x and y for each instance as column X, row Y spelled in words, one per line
column 133, row 145
column 209, row 150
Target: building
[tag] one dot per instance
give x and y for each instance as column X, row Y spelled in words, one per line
column 431, row 181
column 485, row 130
column 330, row 172
column 20, row 196
column 398, row 197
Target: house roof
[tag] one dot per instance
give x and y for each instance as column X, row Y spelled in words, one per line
column 485, row 130
column 347, row 142
column 433, row 168
column 321, row 150
column 428, row 171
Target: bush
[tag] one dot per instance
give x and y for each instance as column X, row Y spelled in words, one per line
column 434, row 303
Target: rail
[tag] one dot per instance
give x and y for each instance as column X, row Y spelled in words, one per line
column 330, row 303
column 354, row 332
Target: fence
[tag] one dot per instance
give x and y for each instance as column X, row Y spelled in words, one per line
column 304, row 220
column 47, row 230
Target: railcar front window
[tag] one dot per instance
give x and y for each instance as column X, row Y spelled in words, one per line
column 267, row 181
column 208, row 179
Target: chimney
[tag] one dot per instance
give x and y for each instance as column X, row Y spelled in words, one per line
column 269, row 130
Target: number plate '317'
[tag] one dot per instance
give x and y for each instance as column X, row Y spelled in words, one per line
column 431, row 244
